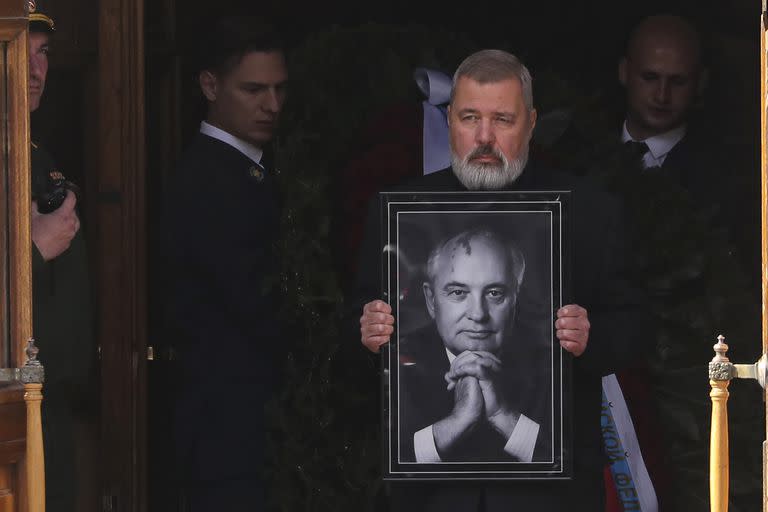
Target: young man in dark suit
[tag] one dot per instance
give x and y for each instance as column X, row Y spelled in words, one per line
column 491, row 118
column 223, row 218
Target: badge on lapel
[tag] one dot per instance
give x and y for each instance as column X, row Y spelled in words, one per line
column 256, row 172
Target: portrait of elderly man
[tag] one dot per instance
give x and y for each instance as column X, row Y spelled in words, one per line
column 463, row 398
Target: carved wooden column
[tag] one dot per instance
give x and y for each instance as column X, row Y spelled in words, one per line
column 764, row 210
column 720, row 373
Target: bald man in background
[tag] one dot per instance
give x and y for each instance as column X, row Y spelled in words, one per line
column 663, row 74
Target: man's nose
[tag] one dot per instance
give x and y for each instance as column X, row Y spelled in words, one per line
column 485, row 133
column 272, row 102
column 662, row 91
column 478, row 309
column 34, row 67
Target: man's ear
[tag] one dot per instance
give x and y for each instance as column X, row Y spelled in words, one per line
column 533, row 115
column 208, row 84
column 623, row 71
column 429, row 299
column 448, row 115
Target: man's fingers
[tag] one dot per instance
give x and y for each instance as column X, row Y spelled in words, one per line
column 467, row 355
column 480, row 368
column 69, row 201
column 573, row 323
column 373, row 343
column 376, row 330
column 377, row 306
column 490, row 355
column 571, row 310
column 377, row 318
column 573, row 347
column 576, row 335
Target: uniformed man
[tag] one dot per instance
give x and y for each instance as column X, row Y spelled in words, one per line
column 61, row 291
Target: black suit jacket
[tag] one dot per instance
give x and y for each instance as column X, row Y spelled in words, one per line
column 223, row 218
column 618, row 334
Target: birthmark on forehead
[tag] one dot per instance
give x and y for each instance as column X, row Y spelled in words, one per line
column 462, row 242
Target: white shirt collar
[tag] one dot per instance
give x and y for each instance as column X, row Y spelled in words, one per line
column 661, row 144
column 451, row 357
column 245, row 148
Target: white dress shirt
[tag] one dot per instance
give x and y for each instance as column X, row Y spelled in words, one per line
column 245, row 148
column 520, row 444
column 659, row 146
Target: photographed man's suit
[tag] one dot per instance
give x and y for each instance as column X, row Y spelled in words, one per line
column 616, row 336
column 425, row 399
column 223, row 219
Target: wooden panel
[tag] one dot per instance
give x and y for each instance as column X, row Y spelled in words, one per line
column 14, row 422
column 7, row 489
column 11, row 393
column 11, row 29
column 12, row 452
column 13, row 8
column 121, row 251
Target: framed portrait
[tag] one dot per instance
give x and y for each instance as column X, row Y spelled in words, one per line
column 475, row 383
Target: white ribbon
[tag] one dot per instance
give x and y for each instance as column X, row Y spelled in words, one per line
column 436, row 88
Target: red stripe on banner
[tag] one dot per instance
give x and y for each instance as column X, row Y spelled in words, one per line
column 612, row 503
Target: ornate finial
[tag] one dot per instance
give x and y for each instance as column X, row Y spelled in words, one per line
column 31, row 352
column 32, row 6
column 720, row 349
column 720, row 368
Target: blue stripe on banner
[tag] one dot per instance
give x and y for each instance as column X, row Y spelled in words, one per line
column 617, row 458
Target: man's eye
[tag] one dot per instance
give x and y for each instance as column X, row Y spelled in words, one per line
column 496, row 294
column 469, row 117
column 504, row 120
column 457, row 293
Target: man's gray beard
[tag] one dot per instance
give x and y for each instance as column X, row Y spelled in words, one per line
column 489, row 176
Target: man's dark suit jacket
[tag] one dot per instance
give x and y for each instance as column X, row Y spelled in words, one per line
column 424, row 400
column 617, row 321
column 223, row 218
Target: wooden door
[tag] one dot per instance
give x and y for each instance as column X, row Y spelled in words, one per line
column 764, row 213
column 22, row 484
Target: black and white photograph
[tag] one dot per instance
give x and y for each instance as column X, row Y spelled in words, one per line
column 474, row 380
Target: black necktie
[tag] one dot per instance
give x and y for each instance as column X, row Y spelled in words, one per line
column 636, row 149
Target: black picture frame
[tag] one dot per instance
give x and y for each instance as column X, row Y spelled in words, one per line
column 533, row 379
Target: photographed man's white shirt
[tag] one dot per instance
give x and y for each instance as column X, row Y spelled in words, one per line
column 245, row 148
column 520, row 444
column 659, row 146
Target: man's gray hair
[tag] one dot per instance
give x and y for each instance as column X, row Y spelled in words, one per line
column 491, row 66
column 514, row 255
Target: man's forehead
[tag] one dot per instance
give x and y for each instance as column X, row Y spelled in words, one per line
column 664, row 50
column 39, row 38
column 468, row 247
column 502, row 95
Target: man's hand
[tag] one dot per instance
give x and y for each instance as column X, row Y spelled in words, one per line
column 52, row 233
column 376, row 325
column 486, row 368
column 572, row 326
column 467, row 411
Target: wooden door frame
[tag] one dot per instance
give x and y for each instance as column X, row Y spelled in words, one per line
column 120, row 246
column 764, row 214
